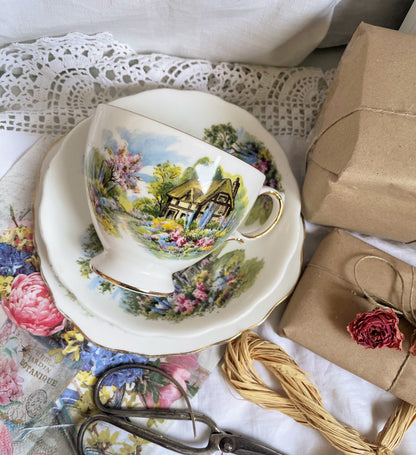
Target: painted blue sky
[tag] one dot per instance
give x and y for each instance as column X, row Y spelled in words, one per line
column 152, row 146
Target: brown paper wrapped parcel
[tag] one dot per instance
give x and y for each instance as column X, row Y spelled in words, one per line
column 327, row 298
column 361, row 165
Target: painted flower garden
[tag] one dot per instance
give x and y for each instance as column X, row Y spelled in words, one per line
column 208, row 285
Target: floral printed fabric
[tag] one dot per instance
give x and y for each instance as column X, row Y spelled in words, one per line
column 27, row 303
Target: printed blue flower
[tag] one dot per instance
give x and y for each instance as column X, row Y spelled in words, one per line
column 98, row 360
column 68, row 397
column 14, row 262
column 122, row 377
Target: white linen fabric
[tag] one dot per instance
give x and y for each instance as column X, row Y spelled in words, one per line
column 48, row 86
column 269, row 32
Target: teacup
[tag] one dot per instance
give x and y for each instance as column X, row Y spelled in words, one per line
column 161, row 200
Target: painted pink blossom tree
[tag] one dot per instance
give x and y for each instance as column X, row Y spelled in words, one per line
column 124, row 168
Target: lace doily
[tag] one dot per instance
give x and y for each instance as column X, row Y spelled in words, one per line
column 50, row 85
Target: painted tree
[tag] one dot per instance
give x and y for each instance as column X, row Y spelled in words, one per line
column 166, row 177
column 124, row 168
column 223, row 136
column 246, row 147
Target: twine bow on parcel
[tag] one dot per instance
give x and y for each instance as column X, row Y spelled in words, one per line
column 303, row 402
column 409, row 314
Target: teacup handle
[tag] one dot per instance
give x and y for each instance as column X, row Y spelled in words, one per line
column 277, row 199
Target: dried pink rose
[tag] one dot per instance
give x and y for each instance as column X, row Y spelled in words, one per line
column 10, row 382
column 31, row 307
column 376, row 329
column 412, row 349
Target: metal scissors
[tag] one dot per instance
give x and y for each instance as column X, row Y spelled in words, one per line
column 218, row 440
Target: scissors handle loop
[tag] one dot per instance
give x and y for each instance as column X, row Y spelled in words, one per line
column 139, row 412
column 150, row 435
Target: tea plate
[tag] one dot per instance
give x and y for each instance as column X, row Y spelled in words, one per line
column 216, row 299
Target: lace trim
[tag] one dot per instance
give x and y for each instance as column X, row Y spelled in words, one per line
column 50, row 85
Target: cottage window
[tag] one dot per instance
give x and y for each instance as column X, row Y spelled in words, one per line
column 222, row 198
column 171, row 214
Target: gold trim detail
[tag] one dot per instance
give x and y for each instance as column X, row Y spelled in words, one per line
column 128, row 286
column 275, row 194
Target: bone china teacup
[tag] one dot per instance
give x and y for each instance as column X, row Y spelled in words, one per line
column 161, row 199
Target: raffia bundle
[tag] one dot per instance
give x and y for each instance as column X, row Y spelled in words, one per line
column 303, row 402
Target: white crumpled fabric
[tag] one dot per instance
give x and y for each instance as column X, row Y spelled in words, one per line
column 278, row 32
column 48, row 86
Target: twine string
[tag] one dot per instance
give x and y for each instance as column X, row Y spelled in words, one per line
column 303, row 402
column 378, row 302
column 409, row 315
column 315, row 139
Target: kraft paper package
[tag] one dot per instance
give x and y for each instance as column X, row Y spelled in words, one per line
column 361, row 164
column 327, row 298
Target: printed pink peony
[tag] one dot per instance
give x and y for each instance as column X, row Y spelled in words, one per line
column 10, row 382
column 6, row 445
column 188, row 361
column 30, row 306
column 170, row 393
column 376, row 329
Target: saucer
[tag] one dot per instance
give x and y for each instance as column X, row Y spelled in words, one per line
column 216, row 299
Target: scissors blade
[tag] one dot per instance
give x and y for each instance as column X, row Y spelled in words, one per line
column 242, row 445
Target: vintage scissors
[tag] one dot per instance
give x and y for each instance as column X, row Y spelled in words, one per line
column 218, row 440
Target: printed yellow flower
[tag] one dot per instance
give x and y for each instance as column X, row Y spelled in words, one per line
column 86, row 403
column 35, row 261
column 5, row 286
column 86, row 378
column 103, row 440
column 20, row 237
column 74, row 340
column 128, row 449
column 106, row 393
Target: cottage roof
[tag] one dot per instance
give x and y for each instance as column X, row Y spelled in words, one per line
column 197, row 196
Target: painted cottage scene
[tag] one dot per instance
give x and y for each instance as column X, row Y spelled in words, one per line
column 189, row 202
column 179, row 210
column 174, row 209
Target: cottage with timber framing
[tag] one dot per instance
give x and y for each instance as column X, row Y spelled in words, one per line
column 188, row 201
